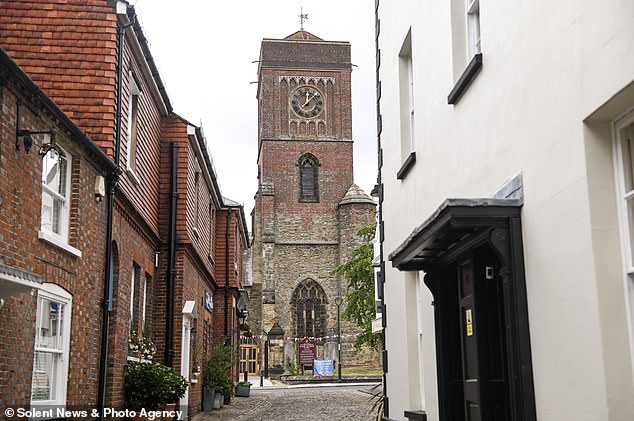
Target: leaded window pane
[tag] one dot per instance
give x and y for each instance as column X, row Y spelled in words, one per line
column 308, row 301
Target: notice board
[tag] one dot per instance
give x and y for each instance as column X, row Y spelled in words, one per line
column 306, row 352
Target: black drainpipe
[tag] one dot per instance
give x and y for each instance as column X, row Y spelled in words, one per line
column 227, row 237
column 112, row 180
column 171, row 265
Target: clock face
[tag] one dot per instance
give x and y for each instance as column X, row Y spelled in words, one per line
column 307, row 102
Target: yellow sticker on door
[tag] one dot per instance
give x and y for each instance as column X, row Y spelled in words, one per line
column 469, row 322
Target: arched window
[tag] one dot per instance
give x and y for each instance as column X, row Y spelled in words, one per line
column 308, row 180
column 308, row 304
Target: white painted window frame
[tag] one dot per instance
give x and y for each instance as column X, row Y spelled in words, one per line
column 134, row 94
column 59, row 239
column 625, row 228
column 135, row 270
column 410, row 88
column 472, row 9
column 144, row 306
column 56, row 293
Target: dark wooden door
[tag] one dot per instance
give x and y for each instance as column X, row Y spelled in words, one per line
column 484, row 354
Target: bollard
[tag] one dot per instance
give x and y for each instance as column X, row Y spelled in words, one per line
column 245, row 377
column 261, row 379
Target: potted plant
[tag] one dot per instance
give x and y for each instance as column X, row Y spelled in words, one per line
column 243, row 389
column 216, row 370
column 152, row 386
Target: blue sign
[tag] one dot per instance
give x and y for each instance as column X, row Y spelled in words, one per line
column 323, row 368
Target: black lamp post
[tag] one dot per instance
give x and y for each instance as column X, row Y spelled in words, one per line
column 338, row 302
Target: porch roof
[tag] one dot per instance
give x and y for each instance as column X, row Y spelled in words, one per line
column 456, row 221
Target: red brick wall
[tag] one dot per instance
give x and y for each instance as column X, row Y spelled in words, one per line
column 133, row 246
column 82, row 277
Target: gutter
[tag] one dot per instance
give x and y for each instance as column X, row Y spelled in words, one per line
column 171, row 264
column 227, row 238
column 112, row 180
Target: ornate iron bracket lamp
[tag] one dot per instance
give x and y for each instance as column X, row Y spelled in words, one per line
column 27, row 137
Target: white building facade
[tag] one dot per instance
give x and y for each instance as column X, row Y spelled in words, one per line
column 506, row 155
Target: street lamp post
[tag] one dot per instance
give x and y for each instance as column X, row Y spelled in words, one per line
column 338, row 302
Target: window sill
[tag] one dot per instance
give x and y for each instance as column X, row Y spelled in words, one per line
column 465, row 80
column 407, row 166
column 138, row 360
column 133, row 177
column 59, row 243
column 415, row 415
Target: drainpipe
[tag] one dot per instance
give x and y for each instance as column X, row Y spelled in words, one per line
column 113, row 180
column 171, row 265
column 227, row 238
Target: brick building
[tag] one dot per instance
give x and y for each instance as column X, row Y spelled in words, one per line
column 307, row 209
column 52, row 227
column 162, row 214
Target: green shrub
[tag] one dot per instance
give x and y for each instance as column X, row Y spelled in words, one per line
column 217, row 364
column 152, row 386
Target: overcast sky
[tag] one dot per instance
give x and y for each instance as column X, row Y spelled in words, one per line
column 204, row 52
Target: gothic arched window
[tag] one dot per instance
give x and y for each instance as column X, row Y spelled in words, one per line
column 308, row 180
column 308, row 304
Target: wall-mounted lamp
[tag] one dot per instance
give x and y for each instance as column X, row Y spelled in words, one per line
column 242, row 317
column 27, row 137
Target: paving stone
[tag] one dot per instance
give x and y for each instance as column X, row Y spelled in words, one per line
column 297, row 403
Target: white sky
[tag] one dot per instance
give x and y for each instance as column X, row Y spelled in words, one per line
column 204, row 52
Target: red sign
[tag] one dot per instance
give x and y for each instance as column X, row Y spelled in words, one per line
column 306, row 350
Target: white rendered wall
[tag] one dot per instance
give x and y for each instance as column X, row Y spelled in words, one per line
column 547, row 67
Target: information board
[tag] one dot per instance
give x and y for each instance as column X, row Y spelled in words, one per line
column 306, row 352
column 323, row 368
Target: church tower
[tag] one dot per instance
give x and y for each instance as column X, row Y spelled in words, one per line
column 307, row 208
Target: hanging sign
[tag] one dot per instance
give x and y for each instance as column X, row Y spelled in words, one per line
column 209, row 301
column 469, row 320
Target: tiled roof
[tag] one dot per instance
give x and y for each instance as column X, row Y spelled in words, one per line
column 303, row 36
column 68, row 49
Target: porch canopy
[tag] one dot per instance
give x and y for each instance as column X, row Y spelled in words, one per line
column 455, row 225
column 14, row 281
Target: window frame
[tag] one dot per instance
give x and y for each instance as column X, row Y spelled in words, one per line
column 134, row 96
column 472, row 15
column 54, row 293
column 626, row 226
column 61, row 239
column 314, row 196
column 319, row 309
column 407, row 107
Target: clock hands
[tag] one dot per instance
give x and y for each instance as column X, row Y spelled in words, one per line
column 309, row 99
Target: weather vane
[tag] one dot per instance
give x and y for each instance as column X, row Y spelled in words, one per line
column 302, row 16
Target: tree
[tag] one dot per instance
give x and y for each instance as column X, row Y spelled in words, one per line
column 359, row 276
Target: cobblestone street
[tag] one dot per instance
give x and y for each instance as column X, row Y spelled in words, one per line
column 298, row 403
